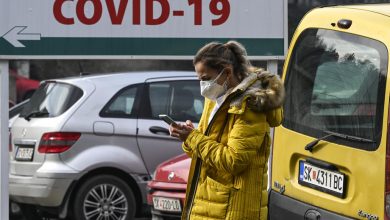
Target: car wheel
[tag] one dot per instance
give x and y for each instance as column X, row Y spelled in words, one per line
column 29, row 212
column 156, row 217
column 104, row 197
column 15, row 212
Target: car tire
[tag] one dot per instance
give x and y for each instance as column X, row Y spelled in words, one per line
column 156, row 217
column 15, row 213
column 29, row 212
column 104, row 195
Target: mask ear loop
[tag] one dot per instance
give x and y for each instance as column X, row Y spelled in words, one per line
column 226, row 83
column 219, row 75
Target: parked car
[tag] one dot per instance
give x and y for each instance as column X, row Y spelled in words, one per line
column 167, row 190
column 331, row 156
column 85, row 147
column 11, row 103
column 14, row 112
column 14, row 209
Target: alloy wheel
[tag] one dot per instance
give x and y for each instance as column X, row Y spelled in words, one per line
column 105, row 202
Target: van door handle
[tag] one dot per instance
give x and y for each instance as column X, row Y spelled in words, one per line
column 159, row 130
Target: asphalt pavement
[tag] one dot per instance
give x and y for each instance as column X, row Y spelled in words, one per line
column 22, row 218
column 17, row 215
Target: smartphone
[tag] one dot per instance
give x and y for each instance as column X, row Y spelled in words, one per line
column 167, row 119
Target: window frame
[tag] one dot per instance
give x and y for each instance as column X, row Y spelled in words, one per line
column 134, row 111
column 146, row 108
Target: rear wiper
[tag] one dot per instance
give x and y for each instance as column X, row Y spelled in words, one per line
column 311, row 145
column 36, row 114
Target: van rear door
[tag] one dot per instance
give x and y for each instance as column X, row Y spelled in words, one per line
column 327, row 154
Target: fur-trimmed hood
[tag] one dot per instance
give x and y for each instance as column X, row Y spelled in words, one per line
column 263, row 91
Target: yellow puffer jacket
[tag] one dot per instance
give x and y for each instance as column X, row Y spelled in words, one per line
column 228, row 173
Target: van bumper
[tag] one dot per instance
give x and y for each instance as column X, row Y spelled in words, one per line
column 283, row 207
column 48, row 192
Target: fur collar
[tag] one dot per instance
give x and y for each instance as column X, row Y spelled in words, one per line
column 262, row 90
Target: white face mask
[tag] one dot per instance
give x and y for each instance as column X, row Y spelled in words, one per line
column 211, row 89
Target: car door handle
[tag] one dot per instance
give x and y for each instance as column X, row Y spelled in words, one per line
column 159, row 130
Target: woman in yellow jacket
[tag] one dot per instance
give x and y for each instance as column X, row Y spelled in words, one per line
column 230, row 147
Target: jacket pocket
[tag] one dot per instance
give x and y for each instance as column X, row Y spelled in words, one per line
column 212, row 199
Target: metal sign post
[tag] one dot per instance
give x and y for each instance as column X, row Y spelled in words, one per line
column 4, row 155
column 272, row 66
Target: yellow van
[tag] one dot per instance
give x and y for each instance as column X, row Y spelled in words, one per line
column 331, row 156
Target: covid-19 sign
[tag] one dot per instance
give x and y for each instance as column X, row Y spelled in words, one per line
column 164, row 12
column 139, row 28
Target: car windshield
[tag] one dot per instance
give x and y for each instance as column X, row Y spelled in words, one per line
column 336, row 82
column 51, row 99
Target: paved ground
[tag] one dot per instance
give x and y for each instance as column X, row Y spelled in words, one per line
column 18, row 216
column 21, row 218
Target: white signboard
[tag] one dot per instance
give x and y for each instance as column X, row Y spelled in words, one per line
column 131, row 28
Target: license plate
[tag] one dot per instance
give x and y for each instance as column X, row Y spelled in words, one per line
column 24, row 153
column 166, row 204
column 321, row 179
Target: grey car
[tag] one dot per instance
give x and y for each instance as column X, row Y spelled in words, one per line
column 85, row 147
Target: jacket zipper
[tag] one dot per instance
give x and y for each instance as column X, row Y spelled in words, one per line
column 263, row 168
column 199, row 162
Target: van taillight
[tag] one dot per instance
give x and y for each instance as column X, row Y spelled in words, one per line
column 387, row 190
column 387, row 173
column 57, row 142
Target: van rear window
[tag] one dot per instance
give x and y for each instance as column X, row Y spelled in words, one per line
column 336, row 83
column 51, row 99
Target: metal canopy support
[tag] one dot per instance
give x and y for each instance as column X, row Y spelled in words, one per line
column 272, row 66
column 4, row 154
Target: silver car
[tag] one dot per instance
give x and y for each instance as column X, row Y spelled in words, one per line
column 85, row 147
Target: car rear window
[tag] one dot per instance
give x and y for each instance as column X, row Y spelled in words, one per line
column 336, row 83
column 52, row 99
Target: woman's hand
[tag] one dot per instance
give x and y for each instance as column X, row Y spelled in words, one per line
column 181, row 131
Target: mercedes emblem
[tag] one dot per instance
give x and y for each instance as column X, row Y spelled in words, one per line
column 24, row 131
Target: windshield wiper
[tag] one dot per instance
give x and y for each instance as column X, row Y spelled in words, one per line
column 311, row 145
column 36, row 114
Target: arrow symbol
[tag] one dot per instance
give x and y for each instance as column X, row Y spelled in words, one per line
column 15, row 35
